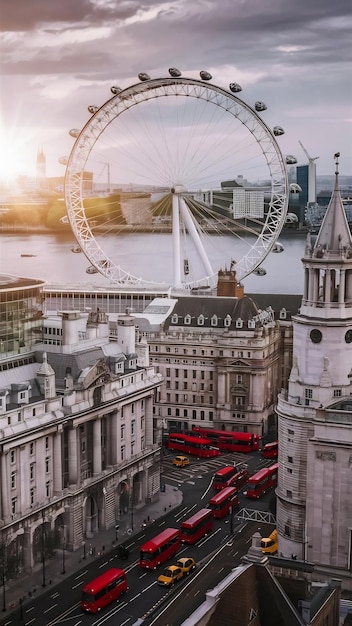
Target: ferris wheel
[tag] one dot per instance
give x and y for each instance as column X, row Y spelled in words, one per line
column 173, row 179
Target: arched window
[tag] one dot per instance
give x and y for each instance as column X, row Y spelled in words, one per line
column 174, row 318
column 200, row 320
column 239, row 323
column 188, row 319
column 214, row 320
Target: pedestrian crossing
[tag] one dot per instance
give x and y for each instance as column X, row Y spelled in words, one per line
column 198, row 467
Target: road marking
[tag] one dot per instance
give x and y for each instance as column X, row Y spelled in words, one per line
column 81, row 574
column 75, row 586
column 151, row 585
column 50, row 608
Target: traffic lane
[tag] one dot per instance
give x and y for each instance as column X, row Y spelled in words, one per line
column 215, row 568
column 63, row 601
column 194, row 498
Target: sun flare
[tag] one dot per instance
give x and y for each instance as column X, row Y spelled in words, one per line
column 14, row 159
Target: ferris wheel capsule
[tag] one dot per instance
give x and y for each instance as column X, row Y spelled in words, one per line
column 295, row 188
column 114, row 89
column 235, row 87
column 174, row 72
column 63, row 160
column 205, row 75
column 93, row 108
column 277, row 130
column 143, row 76
column 290, row 159
column 260, row 106
column 74, row 132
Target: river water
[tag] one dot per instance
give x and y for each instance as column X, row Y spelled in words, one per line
column 54, row 262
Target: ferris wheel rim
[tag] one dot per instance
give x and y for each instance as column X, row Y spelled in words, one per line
column 134, row 95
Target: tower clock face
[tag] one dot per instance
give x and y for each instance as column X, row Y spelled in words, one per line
column 316, row 335
column 348, row 336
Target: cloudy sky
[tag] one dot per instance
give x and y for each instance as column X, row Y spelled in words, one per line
column 58, row 57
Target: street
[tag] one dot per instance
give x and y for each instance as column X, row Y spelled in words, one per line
column 215, row 555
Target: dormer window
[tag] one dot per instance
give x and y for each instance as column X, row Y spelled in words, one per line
column 174, row 319
column 2, row 403
column 251, row 324
column 227, row 321
column 239, row 323
column 200, row 320
column 283, row 314
column 214, row 320
column 188, row 319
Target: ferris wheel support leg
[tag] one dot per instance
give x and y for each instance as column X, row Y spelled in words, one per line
column 187, row 217
column 176, row 240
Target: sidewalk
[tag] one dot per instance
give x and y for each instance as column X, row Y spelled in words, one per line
column 23, row 588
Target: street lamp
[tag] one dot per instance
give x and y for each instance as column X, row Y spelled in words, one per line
column 132, row 504
column 3, row 589
column 43, row 549
column 84, row 549
column 63, row 549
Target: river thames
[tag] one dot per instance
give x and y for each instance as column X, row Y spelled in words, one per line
column 54, row 262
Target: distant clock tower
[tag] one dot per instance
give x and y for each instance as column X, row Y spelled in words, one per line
column 314, row 507
column 41, row 169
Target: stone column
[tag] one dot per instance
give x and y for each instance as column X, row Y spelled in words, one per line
column 221, row 387
column 97, row 447
column 72, row 457
column 148, row 422
column 4, row 484
column 342, row 286
column 113, row 437
column 57, row 474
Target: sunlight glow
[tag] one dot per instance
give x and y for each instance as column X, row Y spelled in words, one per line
column 13, row 157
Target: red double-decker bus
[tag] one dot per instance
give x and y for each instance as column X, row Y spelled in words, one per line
column 222, row 477
column 197, row 526
column 273, row 469
column 223, row 502
column 239, row 479
column 270, row 450
column 160, row 548
column 103, row 590
column 230, row 441
column 188, row 444
column 262, row 481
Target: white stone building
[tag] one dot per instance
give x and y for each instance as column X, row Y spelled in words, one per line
column 221, row 359
column 77, row 446
column 315, row 412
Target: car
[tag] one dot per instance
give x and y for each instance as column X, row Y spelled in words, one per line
column 181, row 461
column 187, row 564
column 170, row 575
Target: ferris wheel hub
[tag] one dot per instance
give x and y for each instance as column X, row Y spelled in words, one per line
column 178, row 189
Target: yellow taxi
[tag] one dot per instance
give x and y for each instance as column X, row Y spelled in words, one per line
column 181, row 461
column 170, row 575
column 270, row 545
column 187, row 564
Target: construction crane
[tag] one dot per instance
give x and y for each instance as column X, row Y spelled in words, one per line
column 312, row 175
column 310, row 159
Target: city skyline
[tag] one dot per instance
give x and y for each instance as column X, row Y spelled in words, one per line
column 297, row 62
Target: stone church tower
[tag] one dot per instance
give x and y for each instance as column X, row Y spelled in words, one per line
column 41, row 169
column 314, row 507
